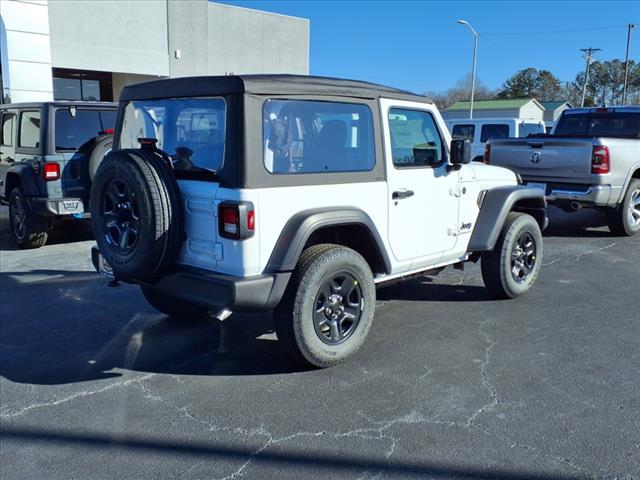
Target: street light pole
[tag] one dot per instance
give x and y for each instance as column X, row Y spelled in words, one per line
column 473, row 70
column 626, row 65
column 588, row 57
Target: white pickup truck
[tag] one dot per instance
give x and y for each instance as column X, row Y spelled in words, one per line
column 591, row 160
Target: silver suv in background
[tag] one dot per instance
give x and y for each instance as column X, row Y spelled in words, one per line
column 480, row 130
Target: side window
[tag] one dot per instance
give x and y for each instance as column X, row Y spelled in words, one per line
column 29, row 129
column 306, row 136
column 464, row 132
column 415, row 140
column 493, row 130
column 8, row 126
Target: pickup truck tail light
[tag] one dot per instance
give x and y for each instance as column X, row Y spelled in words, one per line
column 486, row 158
column 600, row 162
column 236, row 220
column 50, row 171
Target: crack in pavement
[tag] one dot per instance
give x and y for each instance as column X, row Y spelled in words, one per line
column 485, row 379
column 74, row 396
column 578, row 257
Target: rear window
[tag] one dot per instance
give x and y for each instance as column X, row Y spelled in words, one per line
column 494, row 130
column 191, row 130
column 75, row 128
column 464, row 132
column 593, row 124
column 304, row 136
column 527, row 129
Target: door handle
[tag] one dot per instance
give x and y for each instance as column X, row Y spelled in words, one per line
column 10, row 160
column 402, row 194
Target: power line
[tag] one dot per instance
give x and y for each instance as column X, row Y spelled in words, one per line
column 501, row 34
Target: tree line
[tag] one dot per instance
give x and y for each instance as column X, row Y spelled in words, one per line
column 604, row 87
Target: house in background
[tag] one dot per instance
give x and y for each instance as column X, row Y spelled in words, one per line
column 552, row 112
column 509, row 108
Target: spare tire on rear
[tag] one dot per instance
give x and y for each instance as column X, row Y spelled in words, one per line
column 137, row 214
column 101, row 147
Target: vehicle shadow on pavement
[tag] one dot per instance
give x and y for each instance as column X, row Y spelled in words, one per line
column 425, row 291
column 62, row 327
column 585, row 223
column 280, row 459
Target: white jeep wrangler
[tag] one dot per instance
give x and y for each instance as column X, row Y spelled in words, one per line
column 300, row 194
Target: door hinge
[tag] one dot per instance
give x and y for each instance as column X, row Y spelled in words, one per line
column 456, row 191
column 217, row 251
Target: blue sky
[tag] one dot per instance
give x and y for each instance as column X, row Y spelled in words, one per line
column 418, row 45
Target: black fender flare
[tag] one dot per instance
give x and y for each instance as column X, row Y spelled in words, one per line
column 496, row 205
column 24, row 176
column 302, row 225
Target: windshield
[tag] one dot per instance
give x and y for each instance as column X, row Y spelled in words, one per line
column 73, row 131
column 594, row 124
column 191, row 131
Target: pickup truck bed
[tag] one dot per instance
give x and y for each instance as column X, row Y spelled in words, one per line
column 591, row 160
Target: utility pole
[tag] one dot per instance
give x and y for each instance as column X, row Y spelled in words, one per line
column 631, row 26
column 588, row 57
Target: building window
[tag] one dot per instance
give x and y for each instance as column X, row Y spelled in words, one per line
column 82, row 85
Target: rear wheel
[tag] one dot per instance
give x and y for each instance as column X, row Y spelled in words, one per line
column 29, row 230
column 625, row 220
column 328, row 308
column 172, row 306
column 512, row 267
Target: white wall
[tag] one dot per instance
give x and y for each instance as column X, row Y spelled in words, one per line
column 25, row 51
column 250, row 41
column 110, row 36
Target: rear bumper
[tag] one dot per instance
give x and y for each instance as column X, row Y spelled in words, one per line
column 58, row 206
column 217, row 291
column 595, row 195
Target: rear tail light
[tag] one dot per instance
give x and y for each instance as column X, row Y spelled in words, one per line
column 600, row 163
column 237, row 220
column 487, row 154
column 50, row 171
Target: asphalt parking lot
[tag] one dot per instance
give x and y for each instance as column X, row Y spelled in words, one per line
column 450, row 384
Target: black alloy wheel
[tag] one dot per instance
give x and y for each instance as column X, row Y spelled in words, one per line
column 523, row 257
column 121, row 216
column 338, row 307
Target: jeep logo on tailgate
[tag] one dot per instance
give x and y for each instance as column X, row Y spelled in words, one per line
column 535, row 157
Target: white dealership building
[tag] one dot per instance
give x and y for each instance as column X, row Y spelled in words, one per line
column 91, row 49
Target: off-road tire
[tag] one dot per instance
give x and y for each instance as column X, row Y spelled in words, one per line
column 28, row 229
column 172, row 306
column 498, row 265
column 293, row 317
column 156, row 212
column 103, row 145
column 620, row 218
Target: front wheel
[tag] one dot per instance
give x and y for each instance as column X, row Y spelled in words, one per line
column 512, row 267
column 328, row 308
column 625, row 220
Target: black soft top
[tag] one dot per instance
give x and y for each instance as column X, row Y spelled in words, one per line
column 62, row 103
column 262, row 85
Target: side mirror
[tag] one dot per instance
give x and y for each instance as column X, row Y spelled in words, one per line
column 460, row 152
